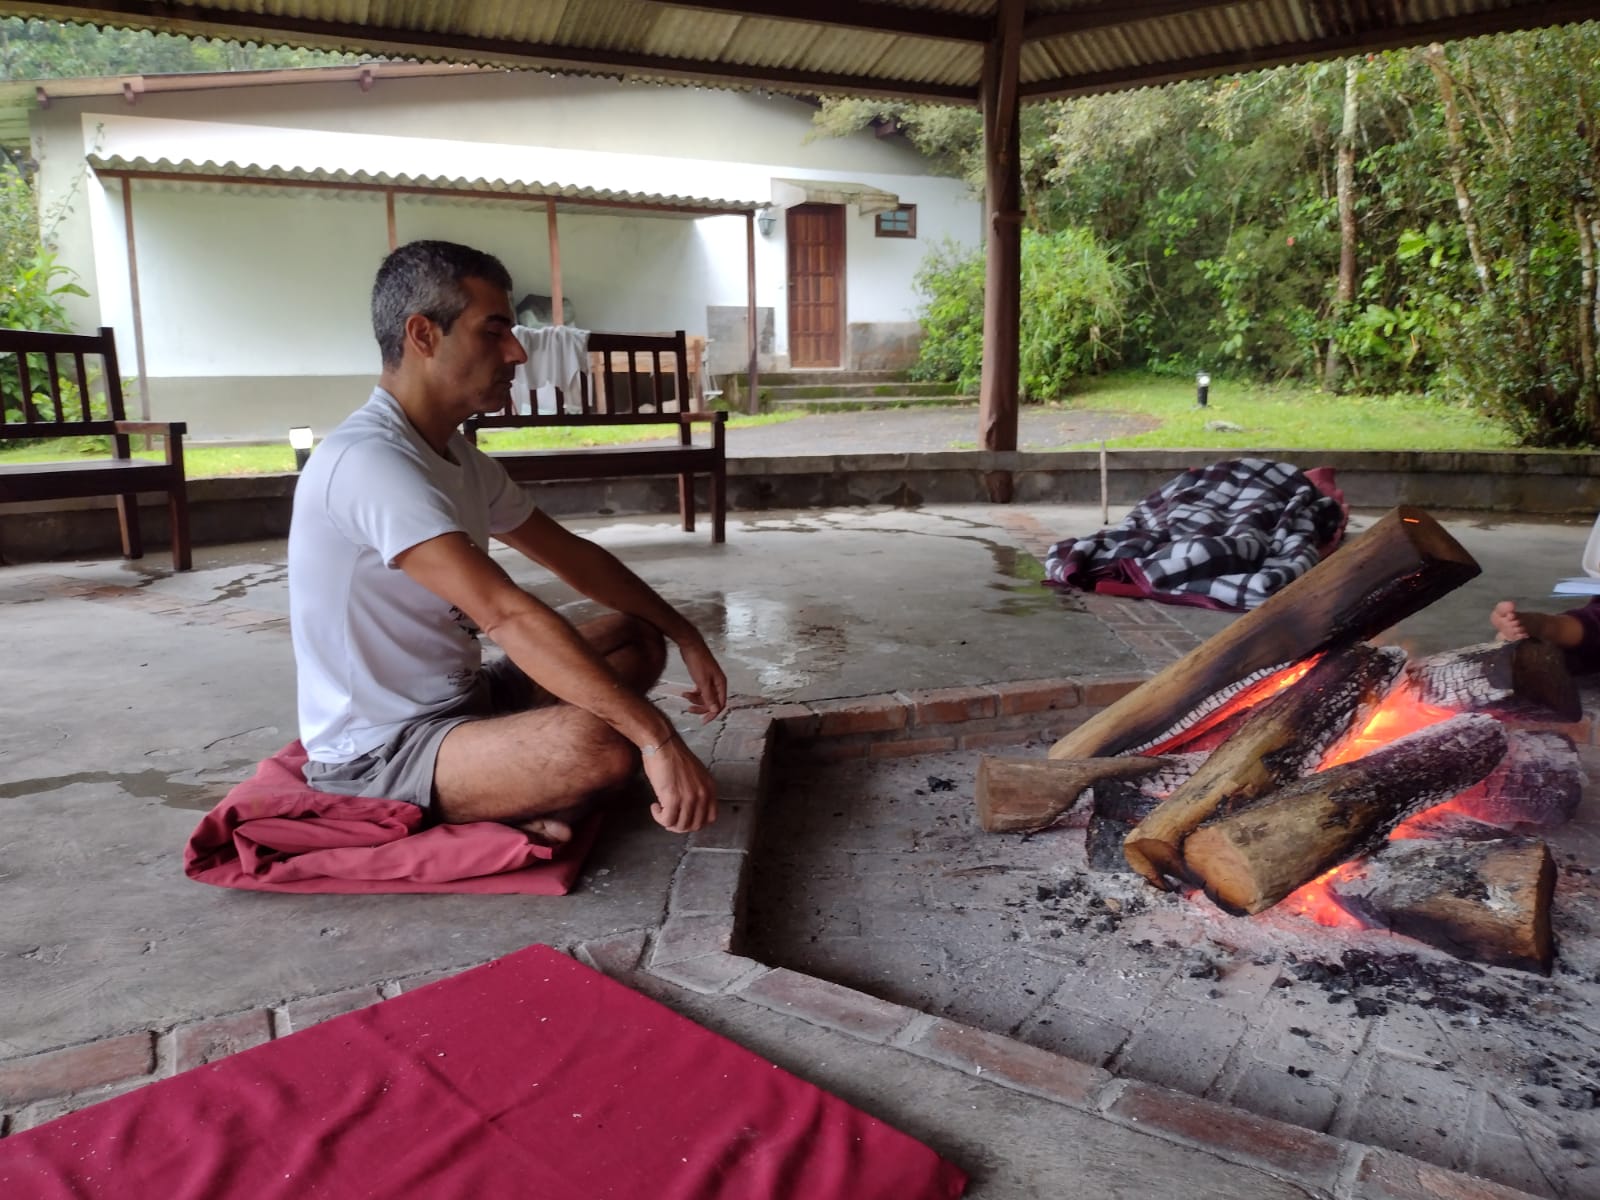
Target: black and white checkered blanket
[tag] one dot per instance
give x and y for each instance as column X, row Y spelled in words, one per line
column 1224, row 536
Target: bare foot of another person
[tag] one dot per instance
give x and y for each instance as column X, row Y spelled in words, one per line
column 1507, row 621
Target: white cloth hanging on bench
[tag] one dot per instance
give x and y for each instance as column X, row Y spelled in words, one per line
column 558, row 357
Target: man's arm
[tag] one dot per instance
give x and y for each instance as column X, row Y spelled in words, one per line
column 546, row 646
column 598, row 574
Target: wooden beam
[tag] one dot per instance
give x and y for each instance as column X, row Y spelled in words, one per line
column 1112, row 13
column 555, row 264
column 273, row 28
column 874, row 18
column 1338, row 45
column 997, row 405
column 752, row 342
column 133, row 293
column 388, row 205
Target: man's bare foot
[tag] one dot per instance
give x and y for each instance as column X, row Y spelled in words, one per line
column 547, row 831
column 1507, row 621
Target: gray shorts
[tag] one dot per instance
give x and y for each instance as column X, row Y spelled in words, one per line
column 403, row 769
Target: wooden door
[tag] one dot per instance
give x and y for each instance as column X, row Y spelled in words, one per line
column 816, row 284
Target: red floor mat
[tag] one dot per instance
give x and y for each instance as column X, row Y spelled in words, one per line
column 532, row 1076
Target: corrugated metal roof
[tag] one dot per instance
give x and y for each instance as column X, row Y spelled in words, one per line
column 247, row 175
column 915, row 49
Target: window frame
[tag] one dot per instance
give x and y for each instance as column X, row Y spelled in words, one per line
column 910, row 231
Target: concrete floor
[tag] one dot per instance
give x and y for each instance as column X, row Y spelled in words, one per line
column 136, row 697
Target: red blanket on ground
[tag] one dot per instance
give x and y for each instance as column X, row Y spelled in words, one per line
column 275, row 833
column 531, row 1076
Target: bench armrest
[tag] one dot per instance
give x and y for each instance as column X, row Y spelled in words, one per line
column 153, row 428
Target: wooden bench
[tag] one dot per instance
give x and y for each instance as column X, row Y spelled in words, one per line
column 631, row 365
column 54, row 404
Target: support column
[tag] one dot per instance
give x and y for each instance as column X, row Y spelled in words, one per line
column 556, row 303
column 752, row 342
column 388, row 206
column 133, row 296
column 1003, row 228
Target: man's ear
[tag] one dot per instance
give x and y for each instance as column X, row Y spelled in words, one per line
column 422, row 335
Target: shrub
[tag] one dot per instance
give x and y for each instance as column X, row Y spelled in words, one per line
column 1073, row 296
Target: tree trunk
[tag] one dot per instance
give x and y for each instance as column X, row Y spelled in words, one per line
column 1280, row 740
column 1345, row 294
column 1526, row 678
column 1249, row 861
column 1456, row 140
column 1018, row 794
column 1588, row 386
column 1400, row 566
column 1487, row 902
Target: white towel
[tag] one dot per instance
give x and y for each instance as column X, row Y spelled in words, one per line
column 558, row 357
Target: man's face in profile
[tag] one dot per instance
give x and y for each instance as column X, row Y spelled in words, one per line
column 473, row 364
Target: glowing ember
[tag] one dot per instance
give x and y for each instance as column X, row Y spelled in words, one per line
column 1263, row 689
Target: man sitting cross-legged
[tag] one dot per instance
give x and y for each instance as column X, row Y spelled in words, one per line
column 390, row 583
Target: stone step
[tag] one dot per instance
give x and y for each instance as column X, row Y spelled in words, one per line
column 862, row 391
column 825, row 378
column 854, row 403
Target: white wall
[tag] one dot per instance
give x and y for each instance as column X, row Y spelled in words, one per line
column 265, row 283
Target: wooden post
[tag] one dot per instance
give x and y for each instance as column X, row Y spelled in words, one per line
column 138, row 311
column 753, row 404
column 388, row 204
column 556, row 302
column 1003, row 228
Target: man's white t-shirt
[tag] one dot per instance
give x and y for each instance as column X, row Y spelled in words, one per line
column 374, row 650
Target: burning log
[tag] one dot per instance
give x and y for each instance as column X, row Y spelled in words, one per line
column 1279, row 741
column 1249, row 861
column 1019, row 794
column 1526, row 678
column 1487, row 902
column 1401, row 565
column 1120, row 804
column 1539, row 782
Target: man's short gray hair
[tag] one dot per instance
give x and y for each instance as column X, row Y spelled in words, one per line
column 426, row 278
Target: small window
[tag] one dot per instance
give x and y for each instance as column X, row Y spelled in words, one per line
column 901, row 222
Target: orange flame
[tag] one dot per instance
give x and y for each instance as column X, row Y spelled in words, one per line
column 1399, row 713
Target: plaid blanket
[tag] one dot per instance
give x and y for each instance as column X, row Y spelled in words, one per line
column 1225, row 536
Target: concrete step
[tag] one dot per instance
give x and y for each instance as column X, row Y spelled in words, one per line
column 828, row 378
column 863, row 391
column 856, row 403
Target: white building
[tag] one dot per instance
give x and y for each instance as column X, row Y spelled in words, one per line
column 260, row 206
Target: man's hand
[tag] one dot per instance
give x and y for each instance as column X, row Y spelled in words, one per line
column 709, row 696
column 686, row 798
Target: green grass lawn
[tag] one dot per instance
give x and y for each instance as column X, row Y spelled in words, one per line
column 202, row 461
column 1284, row 417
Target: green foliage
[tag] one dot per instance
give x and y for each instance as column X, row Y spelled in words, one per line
column 1073, row 297
column 56, row 50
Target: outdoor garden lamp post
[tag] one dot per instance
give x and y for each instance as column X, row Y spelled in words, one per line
column 300, row 440
column 1202, row 389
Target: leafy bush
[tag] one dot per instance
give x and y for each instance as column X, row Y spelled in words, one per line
column 1073, row 296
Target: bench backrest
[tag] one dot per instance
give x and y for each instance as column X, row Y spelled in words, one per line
column 48, row 382
column 627, row 370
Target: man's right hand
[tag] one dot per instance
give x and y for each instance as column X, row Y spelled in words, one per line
column 686, row 797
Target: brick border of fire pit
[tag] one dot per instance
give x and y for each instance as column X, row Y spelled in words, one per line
column 697, row 945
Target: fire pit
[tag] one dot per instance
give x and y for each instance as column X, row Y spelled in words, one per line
column 1417, row 977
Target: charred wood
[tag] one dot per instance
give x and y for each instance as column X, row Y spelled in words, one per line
column 1120, row 804
column 1401, row 565
column 1526, row 678
column 1485, row 901
column 1017, row 794
column 1249, row 861
column 1279, row 741
column 1539, row 782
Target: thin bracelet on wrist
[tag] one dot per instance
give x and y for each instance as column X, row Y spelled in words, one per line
column 647, row 751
